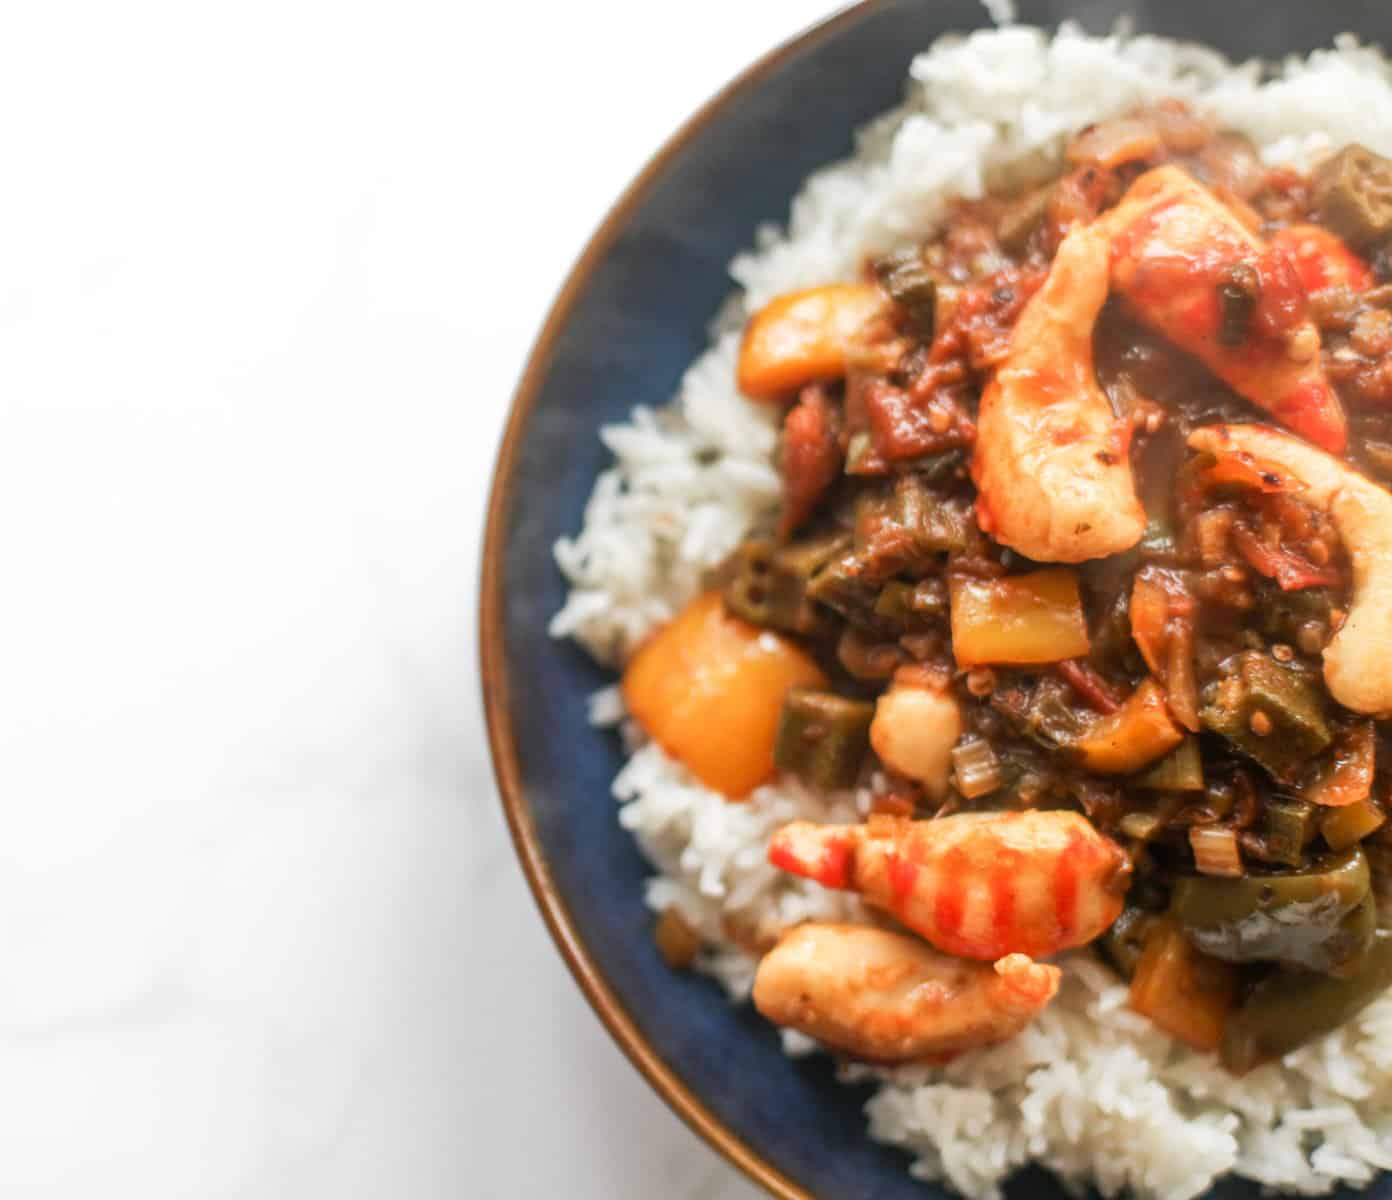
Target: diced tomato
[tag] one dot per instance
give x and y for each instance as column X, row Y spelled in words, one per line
column 1245, row 471
column 907, row 426
column 811, row 458
column 1290, row 571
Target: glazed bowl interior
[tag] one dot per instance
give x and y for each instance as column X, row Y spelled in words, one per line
column 632, row 316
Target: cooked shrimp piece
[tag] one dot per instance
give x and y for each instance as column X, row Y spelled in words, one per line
column 980, row 885
column 1051, row 463
column 916, row 724
column 888, row 998
column 1192, row 271
column 1323, row 259
column 1358, row 658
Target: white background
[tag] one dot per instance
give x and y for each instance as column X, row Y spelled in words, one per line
column 267, row 274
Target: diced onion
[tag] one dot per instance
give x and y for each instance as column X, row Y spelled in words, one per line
column 1215, row 851
column 976, row 767
column 1142, row 825
column 1115, row 143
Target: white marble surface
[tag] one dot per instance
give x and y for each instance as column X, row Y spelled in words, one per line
column 267, row 273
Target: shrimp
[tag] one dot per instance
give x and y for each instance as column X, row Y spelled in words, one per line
column 886, row 997
column 1323, row 259
column 979, row 885
column 1051, row 463
column 914, row 729
column 1358, row 659
column 1174, row 245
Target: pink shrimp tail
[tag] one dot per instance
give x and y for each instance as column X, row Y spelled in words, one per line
column 822, row 853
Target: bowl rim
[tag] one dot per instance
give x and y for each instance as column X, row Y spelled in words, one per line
column 501, row 736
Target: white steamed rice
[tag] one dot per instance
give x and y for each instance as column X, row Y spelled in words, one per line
column 1091, row 1090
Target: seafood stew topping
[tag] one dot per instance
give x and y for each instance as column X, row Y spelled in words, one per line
column 1083, row 577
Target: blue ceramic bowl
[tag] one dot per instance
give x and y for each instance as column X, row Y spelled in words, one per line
column 631, row 316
